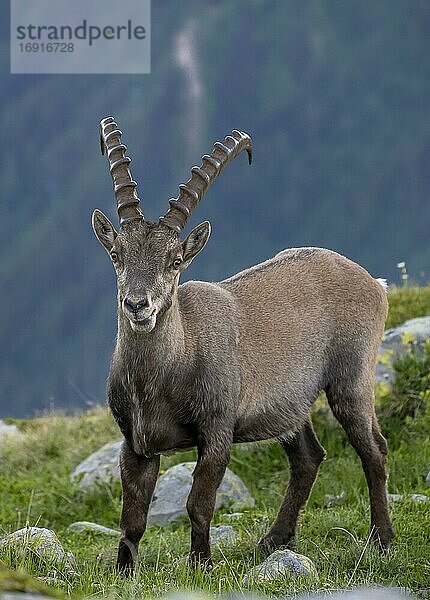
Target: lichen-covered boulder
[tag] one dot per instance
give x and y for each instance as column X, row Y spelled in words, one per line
column 396, row 343
column 42, row 543
column 101, row 467
column 172, row 489
column 282, row 563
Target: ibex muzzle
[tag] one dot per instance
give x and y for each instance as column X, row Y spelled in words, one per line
column 206, row 365
column 140, row 312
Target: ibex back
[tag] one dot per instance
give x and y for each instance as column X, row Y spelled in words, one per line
column 210, row 364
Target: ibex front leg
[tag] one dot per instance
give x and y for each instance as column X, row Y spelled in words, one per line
column 211, row 465
column 138, row 478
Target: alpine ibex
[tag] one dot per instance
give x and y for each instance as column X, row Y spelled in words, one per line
column 211, row 364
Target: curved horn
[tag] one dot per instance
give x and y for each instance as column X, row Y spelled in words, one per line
column 128, row 203
column 202, row 178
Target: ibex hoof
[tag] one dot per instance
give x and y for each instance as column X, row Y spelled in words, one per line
column 382, row 538
column 272, row 542
column 197, row 560
column 127, row 555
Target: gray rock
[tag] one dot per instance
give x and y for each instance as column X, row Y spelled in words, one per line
column 428, row 478
column 173, row 487
column 234, row 516
column 223, row 535
column 43, row 543
column 395, row 344
column 101, row 467
column 282, row 563
column 420, row 498
column 394, row 497
column 415, row 497
column 335, row 500
column 9, row 431
column 87, row 526
column 171, row 491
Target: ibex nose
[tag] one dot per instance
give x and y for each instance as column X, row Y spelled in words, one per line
column 135, row 306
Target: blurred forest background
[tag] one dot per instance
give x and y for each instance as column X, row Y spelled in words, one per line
column 336, row 95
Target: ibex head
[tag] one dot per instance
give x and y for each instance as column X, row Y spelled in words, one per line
column 149, row 257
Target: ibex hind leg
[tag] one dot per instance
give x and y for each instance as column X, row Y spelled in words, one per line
column 352, row 404
column 305, row 455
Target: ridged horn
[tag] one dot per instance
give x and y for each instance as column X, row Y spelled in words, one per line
column 202, row 178
column 128, row 203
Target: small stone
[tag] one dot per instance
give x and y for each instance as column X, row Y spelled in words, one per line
column 43, row 543
column 428, row 478
column 101, row 467
column 394, row 497
column 335, row 500
column 172, row 489
column 235, row 516
column 282, row 563
column 223, row 535
column 415, row 497
column 420, row 498
column 87, row 526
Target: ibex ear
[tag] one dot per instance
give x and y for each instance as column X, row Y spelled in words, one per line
column 104, row 230
column 195, row 241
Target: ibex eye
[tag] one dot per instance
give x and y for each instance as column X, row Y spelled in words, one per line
column 114, row 256
column 177, row 263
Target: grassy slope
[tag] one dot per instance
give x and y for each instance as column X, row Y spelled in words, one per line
column 35, row 487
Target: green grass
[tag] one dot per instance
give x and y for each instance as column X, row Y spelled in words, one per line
column 35, row 487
